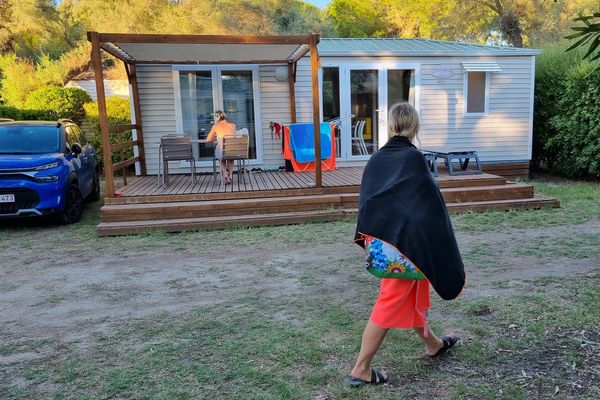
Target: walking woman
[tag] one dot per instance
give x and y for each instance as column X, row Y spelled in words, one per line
column 404, row 227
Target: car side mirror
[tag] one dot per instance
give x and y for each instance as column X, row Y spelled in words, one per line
column 76, row 149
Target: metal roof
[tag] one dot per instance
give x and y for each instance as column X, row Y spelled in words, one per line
column 340, row 47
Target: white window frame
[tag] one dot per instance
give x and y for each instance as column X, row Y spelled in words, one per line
column 381, row 66
column 218, row 101
column 486, row 99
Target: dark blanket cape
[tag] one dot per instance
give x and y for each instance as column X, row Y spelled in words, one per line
column 401, row 204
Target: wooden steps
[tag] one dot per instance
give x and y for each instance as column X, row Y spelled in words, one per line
column 223, row 208
column 184, row 224
column 536, row 202
column 134, row 215
column 486, row 193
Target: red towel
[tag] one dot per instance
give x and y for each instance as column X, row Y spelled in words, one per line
column 277, row 127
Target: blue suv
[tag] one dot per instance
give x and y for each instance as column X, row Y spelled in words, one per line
column 46, row 168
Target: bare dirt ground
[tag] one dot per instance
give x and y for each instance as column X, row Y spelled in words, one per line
column 60, row 282
column 67, row 291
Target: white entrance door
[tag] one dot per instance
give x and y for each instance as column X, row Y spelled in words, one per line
column 359, row 95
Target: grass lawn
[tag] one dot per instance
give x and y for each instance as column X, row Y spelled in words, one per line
column 529, row 318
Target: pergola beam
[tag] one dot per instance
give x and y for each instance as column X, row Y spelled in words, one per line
column 205, row 62
column 200, row 39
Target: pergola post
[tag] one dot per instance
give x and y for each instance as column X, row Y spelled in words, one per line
column 314, row 72
column 102, row 116
column 291, row 80
column 132, row 76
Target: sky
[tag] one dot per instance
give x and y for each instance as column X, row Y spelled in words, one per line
column 318, row 3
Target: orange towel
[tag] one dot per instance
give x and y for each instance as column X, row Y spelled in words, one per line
column 402, row 304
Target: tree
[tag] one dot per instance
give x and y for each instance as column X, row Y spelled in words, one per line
column 31, row 28
column 588, row 34
column 357, row 18
column 519, row 22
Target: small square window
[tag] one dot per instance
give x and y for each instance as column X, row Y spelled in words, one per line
column 476, row 100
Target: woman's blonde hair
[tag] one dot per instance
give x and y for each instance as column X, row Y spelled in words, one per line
column 220, row 115
column 403, row 120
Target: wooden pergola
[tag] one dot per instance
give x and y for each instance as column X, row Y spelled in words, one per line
column 144, row 49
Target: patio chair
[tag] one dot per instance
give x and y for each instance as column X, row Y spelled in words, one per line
column 236, row 148
column 174, row 148
column 357, row 138
column 239, row 132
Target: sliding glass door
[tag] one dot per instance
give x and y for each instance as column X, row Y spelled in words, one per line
column 197, row 108
column 200, row 91
column 359, row 95
column 364, row 106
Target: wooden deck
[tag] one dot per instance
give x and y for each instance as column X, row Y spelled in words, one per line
column 255, row 181
column 265, row 184
column 282, row 198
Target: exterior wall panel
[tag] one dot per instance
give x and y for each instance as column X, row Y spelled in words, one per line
column 504, row 134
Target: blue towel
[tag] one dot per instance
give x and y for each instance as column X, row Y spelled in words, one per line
column 302, row 141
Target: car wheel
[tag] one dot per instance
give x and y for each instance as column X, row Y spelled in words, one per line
column 73, row 205
column 95, row 193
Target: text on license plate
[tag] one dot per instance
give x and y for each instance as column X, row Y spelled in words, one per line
column 7, row 198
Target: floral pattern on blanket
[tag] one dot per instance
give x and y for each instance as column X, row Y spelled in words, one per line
column 385, row 261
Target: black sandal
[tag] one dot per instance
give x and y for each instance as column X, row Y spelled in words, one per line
column 449, row 342
column 377, row 378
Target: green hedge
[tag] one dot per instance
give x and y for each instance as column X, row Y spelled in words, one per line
column 62, row 101
column 118, row 114
column 27, row 115
column 567, row 114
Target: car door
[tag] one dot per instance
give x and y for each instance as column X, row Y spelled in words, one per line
column 80, row 161
column 88, row 160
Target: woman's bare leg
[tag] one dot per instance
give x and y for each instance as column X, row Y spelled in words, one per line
column 432, row 342
column 371, row 340
column 224, row 172
column 230, row 168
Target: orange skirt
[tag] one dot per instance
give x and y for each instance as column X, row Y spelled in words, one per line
column 402, row 304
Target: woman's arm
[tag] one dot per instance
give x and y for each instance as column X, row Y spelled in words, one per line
column 212, row 134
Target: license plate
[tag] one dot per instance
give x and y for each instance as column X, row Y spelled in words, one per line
column 7, row 198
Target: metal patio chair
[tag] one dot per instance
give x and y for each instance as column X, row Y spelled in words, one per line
column 174, row 148
column 357, row 137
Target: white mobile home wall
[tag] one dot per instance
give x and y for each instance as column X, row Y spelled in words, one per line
column 503, row 135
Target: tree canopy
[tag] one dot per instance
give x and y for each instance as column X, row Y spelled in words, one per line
column 43, row 41
column 513, row 22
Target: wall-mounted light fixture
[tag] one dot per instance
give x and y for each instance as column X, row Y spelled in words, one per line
column 281, row 74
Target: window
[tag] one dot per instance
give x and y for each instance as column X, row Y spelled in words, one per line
column 331, row 93
column 401, row 86
column 74, row 135
column 476, row 100
column 27, row 139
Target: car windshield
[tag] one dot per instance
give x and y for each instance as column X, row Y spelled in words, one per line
column 29, row 139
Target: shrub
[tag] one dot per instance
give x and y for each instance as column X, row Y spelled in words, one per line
column 64, row 102
column 118, row 113
column 26, row 115
column 566, row 130
column 574, row 148
column 18, row 79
